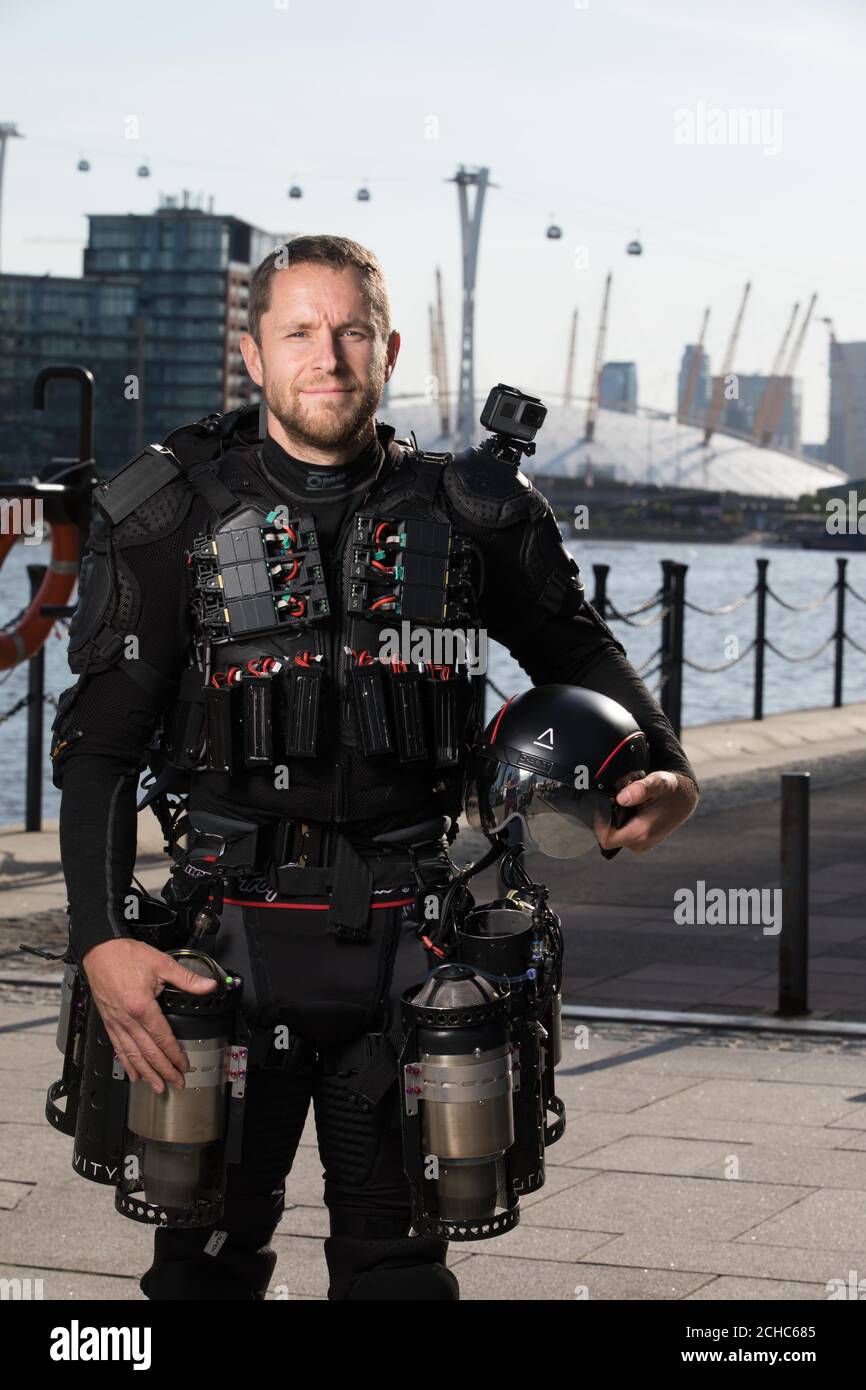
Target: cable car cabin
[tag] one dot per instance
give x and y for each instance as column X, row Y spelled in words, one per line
column 634, row 248
column 363, row 195
column 554, row 232
column 295, row 191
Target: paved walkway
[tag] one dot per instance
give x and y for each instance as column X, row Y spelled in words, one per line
column 695, row 1165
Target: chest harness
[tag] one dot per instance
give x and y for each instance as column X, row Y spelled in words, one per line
column 350, row 674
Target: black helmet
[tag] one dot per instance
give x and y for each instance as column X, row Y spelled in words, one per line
column 556, row 756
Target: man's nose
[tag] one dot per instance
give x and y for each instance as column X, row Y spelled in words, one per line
column 326, row 356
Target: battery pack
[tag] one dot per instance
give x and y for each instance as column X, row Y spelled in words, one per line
column 369, row 691
column 408, row 714
column 256, row 700
column 218, row 725
column 301, row 704
column 444, row 704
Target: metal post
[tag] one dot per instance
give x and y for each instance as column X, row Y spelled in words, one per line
column 35, row 712
column 7, row 129
column 667, row 611
column 599, row 601
column 841, row 581
column 677, row 637
column 760, row 639
column 470, row 232
column 794, row 936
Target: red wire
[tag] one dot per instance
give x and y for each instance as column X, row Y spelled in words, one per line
column 437, row 950
column 388, row 598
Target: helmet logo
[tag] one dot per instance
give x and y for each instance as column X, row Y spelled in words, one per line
column 545, row 739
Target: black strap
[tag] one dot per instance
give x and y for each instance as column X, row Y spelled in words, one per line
column 349, row 912
column 425, row 471
column 205, row 481
column 379, row 1071
column 109, row 643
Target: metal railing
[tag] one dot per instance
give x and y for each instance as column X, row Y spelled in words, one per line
column 669, row 660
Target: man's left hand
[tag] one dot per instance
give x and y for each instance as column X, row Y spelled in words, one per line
column 658, row 803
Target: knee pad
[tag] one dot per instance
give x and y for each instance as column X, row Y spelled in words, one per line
column 182, row 1269
column 409, row 1268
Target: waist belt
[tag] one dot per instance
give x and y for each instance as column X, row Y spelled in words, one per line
column 310, row 860
column 349, row 877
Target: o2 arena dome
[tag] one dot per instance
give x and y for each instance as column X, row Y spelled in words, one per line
column 648, row 447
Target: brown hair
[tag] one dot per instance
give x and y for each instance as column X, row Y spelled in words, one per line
column 336, row 251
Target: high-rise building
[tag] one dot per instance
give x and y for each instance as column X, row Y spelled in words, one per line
column 846, row 444
column 157, row 317
column 701, row 391
column 740, row 411
column 618, row 388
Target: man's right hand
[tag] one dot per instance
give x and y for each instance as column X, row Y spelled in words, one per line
column 125, row 978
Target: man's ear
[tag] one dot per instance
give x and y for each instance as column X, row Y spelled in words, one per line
column 252, row 357
column 391, row 353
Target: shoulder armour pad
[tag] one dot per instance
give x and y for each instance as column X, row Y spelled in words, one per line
column 145, row 496
column 135, row 481
column 487, row 491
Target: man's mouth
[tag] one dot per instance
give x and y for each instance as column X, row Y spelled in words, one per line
column 328, row 391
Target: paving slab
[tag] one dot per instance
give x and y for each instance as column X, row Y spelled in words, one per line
column 832, row 1217
column 688, row 1207
column 797, row 1263
column 636, row 1204
column 493, row 1278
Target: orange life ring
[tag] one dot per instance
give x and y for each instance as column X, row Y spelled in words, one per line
column 25, row 640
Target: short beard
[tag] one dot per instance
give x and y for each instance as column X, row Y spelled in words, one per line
column 325, row 432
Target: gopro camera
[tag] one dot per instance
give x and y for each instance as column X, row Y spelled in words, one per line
column 514, row 419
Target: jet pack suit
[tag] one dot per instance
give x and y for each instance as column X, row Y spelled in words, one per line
column 328, row 774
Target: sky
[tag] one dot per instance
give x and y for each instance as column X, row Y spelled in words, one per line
column 614, row 118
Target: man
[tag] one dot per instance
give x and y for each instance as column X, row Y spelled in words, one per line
column 329, row 965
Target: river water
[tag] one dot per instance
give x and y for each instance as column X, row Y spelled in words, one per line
column 717, row 575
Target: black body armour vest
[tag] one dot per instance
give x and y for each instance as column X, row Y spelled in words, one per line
column 351, row 680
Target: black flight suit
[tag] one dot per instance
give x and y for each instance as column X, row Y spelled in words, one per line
column 136, row 580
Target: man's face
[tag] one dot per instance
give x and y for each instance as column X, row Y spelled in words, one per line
column 321, row 364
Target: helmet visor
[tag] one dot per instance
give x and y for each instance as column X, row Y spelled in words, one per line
column 562, row 821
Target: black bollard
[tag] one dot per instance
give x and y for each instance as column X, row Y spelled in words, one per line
column 35, row 718
column 794, row 936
